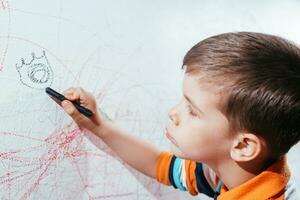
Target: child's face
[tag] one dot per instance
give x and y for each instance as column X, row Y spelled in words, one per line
column 198, row 130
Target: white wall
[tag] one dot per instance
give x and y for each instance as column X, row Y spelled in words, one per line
column 129, row 54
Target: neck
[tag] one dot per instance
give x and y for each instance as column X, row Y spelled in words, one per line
column 234, row 174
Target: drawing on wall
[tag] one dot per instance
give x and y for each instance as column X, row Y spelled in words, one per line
column 36, row 73
column 3, row 4
column 27, row 171
column 43, row 154
column 5, row 24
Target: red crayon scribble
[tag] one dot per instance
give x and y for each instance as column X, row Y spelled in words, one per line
column 111, row 196
column 60, row 145
column 65, row 144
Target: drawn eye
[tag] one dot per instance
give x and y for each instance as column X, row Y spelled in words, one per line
column 38, row 73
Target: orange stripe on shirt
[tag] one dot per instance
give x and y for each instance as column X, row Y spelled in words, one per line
column 162, row 167
column 191, row 181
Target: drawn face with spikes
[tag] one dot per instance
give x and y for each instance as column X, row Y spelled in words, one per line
column 36, row 73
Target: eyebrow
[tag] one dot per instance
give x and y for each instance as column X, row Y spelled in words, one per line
column 193, row 104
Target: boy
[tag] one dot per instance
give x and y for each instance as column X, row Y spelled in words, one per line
column 239, row 116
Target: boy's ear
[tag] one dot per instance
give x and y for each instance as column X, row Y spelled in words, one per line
column 245, row 147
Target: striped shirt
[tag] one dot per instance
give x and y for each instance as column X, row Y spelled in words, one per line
column 186, row 175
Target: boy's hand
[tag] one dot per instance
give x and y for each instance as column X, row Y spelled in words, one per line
column 87, row 100
column 136, row 152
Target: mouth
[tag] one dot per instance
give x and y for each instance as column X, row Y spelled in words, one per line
column 172, row 140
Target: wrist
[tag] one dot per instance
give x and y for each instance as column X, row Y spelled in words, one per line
column 101, row 130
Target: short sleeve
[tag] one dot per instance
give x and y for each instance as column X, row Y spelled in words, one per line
column 185, row 175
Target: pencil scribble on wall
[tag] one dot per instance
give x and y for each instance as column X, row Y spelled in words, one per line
column 3, row 4
column 36, row 73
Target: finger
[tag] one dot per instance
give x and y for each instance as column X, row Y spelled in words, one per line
column 68, row 107
column 80, row 90
column 69, row 90
column 71, row 110
column 69, row 93
column 79, row 94
column 73, row 94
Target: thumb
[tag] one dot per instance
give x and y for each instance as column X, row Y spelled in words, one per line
column 69, row 108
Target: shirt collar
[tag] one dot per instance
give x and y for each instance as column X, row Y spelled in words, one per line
column 267, row 184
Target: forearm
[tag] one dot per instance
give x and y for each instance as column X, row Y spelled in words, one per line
column 136, row 152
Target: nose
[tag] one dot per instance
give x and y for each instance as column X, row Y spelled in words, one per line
column 173, row 115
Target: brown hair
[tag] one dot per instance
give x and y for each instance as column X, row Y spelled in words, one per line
column 260, row 79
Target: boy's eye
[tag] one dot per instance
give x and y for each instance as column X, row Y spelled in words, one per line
column 191, row 112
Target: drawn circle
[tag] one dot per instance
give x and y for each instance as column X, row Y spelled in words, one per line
column 38, row 73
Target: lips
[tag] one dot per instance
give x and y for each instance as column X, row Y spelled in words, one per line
column 168, row 135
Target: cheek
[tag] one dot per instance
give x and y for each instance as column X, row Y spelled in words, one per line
column 202, row 141
column 200, row 146
column 192, row 140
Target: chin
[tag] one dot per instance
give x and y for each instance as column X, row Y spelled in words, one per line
column 178, row 153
